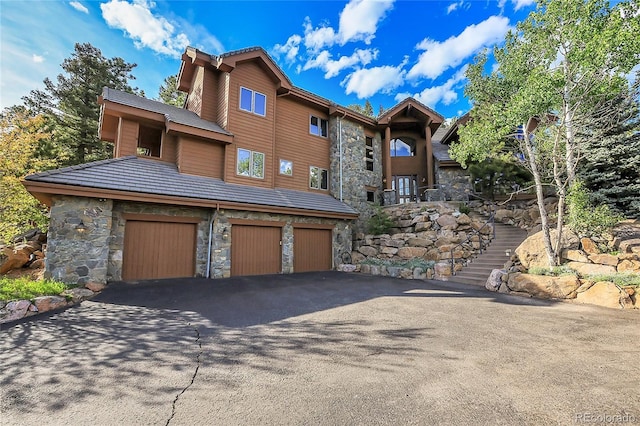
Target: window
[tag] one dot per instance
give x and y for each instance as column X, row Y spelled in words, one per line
column 286, row 167
column 371, row 196
column 318, row 178
column 149, row 141
column 405, row 147
column 319, row 126
column 369, row 153
column 250, row 163
column 252, row 101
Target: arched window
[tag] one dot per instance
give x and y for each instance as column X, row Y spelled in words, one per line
column 403, row 147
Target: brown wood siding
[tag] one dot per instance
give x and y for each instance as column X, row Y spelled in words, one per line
column 296, row 144
column 158, row 250
column 251, row 131
column 255, row 250
column 312, row 250
column 223, row 100
column 209, row 107
column 194, row 101
column 416, row 165
column 201, row 158
column 127, row 138
column 169, row 148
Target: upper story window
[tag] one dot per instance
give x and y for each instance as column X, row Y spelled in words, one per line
column 318, row 178
column 149, row 141
column 369, row 153
column 318, row 126
column 403, row 147
column 252, row 101
column 286, row 167
column 250, row 163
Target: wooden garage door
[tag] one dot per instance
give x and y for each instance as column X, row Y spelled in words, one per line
column 312, row 250
column 158, row 250
column 255, row 250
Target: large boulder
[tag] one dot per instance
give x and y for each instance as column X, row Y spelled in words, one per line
column 447, row 221
column 411, row 252
column 543, row 286
column 604, row 259
column 532, row 252
column 606, row 294
column 586, row 269
column 495, row 280
column 11, row 259
column 629, row 266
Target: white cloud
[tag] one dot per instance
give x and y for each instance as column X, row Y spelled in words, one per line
column 519, row 4
column 143, row 27
column 290, row 49
column 440, row 56
column 454, row 6
column 359, row 19
column 317, row 38
column 446, row 93
column 37, row 58
column 367, row 82
column 79, row 7
column 332, row 67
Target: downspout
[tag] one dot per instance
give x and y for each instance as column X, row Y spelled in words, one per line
column 340, row 148
column 209, row 244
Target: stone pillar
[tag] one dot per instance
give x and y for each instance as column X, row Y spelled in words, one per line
column 387, row 157
column 78, row 240
column 430, row 171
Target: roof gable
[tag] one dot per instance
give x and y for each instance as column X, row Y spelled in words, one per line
column 410, row 107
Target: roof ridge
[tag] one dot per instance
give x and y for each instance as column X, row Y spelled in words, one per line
column 79, row 166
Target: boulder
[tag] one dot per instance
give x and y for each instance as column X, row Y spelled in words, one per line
column 37, row 264
column 78, row 294
column 443, row 270
column 501, row 214
column 545, row 287
column 586, row 269
column 419, row 242
column 447, row 221
column 357, row 257
column 422, row 226
column 368, row 251
column 575, row 255
column 411, row 252
column 49, row 303
column 532, row 252
column 12, row 259
column 495, row 280
column 15, row 310
column 390, row 251
column 589, row 246
column 96, row 287
column 630, row 246
column 606, row 294
column 604, row 259
column 504, row 288
column 629, row 266
column 463, row 219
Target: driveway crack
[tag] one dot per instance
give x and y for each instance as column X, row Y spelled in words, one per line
column 193, row 378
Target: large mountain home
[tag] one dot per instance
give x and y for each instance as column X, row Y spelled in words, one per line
column 252, row 176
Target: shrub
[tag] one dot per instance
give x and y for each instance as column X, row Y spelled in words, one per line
column 409, row 264
column 464, row 209
column 556, row 271
column 585, row 219
column 623, row 280
column 26, row 288
column 380, row 222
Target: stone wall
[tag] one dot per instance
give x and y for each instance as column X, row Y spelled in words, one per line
column 355, row 176
column 426, row 231
column 116, row 244
column 75, row 255
column 454, row 182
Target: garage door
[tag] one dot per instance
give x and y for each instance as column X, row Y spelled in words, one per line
column 158, row 250
column 255, row 250
column 312, row 250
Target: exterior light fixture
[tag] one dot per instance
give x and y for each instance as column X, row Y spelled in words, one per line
column 81, row 227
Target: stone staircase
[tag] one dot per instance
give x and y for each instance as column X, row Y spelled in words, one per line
column 507, row 239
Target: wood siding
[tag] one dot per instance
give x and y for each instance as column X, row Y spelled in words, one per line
column 416, row 165
column 169, row 148
column 255, row 250
column 127, row 138
column 296, row 144
column 201, row 158
column 209, row 107
column 194, row 100
column 223, row 100
column 312, row 250
column 158, row 250
column 251, row 131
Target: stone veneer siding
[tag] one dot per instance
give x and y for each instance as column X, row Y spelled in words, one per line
column 355, row 176
column 96, row 255
column 454, row 182
column 76, row 257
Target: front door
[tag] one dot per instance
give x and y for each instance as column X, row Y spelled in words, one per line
column 406, row 188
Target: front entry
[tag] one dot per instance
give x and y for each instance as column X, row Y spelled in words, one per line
column 406, row 188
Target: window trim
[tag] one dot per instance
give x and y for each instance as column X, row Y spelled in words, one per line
column 253, row 101
column 319, row 126
column 280, row 168
column 320, row 169
column 251, row 163
column 156, row 128
column 368, row 154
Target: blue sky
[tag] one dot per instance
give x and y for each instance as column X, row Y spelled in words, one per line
column 348, row 52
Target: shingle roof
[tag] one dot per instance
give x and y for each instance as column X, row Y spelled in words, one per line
column 147, row 176
column 171, row 113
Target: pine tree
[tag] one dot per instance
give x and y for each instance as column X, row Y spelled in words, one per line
column 169, row 93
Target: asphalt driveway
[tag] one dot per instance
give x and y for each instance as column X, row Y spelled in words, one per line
column 319, row 348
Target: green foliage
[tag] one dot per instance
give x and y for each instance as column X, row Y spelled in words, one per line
column 501, row 175
column 169, row 93
column 556, row 271
column 27, row 289
column 623, row 280
column 380, row 222
column 367, row 109
column 70, row 103
column 584, row 218
column 20, row 138
column 464, row 209
column 408, row 264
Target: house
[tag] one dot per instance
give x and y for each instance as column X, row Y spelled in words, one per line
column 252, row 176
